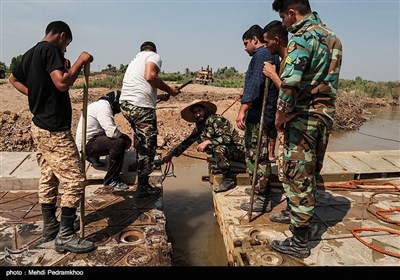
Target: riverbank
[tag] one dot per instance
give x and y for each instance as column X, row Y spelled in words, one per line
column 352, row 112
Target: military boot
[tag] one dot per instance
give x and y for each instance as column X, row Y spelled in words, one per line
column 296, row 246
column 50, row 223
column 228, row 182
column 67, row 240
column 283, row 217
column 144, row 189
column 260, row 204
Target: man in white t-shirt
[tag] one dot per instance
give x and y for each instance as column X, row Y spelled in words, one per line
column 104, row 138
column 138, row 105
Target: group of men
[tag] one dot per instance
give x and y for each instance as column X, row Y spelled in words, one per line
column 299, row 112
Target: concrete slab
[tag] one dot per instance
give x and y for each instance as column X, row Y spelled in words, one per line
column 19, row 170
column 128, row 231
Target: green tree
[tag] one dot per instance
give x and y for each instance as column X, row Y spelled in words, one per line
column 224, row 73
column 15, row 61
column 187, row 72
column 122, row 68
column 3, row 66
column 110, row 68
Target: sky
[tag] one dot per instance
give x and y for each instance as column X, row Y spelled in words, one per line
column 194, row 34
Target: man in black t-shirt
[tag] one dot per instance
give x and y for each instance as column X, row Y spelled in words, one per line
column 44, row 75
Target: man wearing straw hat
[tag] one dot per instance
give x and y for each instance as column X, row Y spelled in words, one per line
column 215, row 135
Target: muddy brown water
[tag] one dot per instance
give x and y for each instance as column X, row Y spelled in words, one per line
column 188, row 204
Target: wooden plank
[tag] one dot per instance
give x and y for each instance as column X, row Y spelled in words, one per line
column 332, row 167
column 375, row 161
column 393, row 159
column 352, row 164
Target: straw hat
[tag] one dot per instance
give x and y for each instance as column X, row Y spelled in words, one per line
column 187, row 113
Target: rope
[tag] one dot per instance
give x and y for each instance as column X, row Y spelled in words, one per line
column 374, row 136
column 169, row 171
column 195, row 157
column 378, row 213
column 355, row 185
column 380, row 216
column 236, row 100
column 390, row 253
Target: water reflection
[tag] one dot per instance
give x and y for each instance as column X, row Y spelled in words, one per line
column 188, row 206
column 382, row 132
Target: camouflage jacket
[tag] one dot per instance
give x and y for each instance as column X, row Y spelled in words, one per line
column 311, row 76
column 217, row 129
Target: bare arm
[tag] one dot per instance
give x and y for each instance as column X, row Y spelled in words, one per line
column 18, row 85
column 64, row 79
column 151, row 75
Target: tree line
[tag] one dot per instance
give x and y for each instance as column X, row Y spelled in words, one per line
column 229, row 77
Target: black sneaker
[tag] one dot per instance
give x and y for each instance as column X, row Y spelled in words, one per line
column 259, row 205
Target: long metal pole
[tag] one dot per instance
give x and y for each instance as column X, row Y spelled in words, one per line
column 259, row 140
column 86, row 72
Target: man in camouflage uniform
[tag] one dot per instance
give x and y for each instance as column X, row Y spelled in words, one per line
column 138, row 105
column 215, row 135
column 306, row 107
column 276, row 40
column 46, row 75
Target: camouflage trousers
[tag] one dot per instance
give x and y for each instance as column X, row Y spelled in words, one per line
column 144, row 123
column 60, row 164
column 223, row 154
column 250, row 143
column 305, row 143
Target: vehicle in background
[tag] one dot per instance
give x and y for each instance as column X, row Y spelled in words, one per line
column 204, row 76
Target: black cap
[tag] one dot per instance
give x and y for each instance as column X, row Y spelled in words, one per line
column 113, row 98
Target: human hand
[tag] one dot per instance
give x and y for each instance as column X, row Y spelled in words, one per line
column 240, row 121
column 269, row 69
column 174, row 90
column 203, row 146
column 85, row 57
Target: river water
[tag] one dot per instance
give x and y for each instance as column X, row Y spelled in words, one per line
column 188, row 205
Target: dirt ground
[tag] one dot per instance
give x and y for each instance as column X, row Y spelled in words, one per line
column 15, row 116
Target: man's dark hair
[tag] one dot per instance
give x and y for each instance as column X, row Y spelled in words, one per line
column 275, row 29
column 256, row 31
column 57, row 27
column 148, row 46
column 302, row 6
